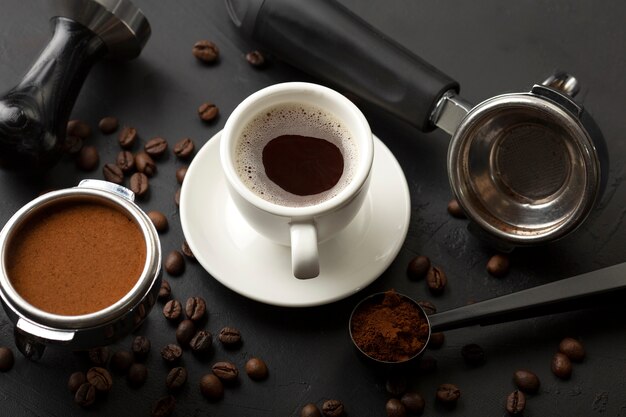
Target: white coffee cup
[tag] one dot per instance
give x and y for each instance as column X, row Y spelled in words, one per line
column 302, row 228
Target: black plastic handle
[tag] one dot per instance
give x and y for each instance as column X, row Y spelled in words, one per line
column 34, row 114
column 581, row 291
column 325, row 39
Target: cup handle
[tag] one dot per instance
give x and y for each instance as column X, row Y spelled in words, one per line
column 305, row 262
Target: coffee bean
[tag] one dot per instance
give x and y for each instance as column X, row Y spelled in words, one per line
column 255, row 58
column 184, row 148
column 561, row 366
column 211, row 387
column 145, row 164
column 428, row 307
column 256, row 369
column 100, row 378
column 436, row 340
column 515, row 403
column 418, row 267
column 396, row 386
column 126, row 161
column 413, row 402
column 85, row 395
column 99, row 356
column 121, row 361
column 427, row 364
column 127, row 137
column 165, row 292
column 395, row 408
column 186, row 250
column 436, row 280
column 498, row 265
column 155, row 147
column 78, row 128
column 226, row 371
column 159, row 221
column 175, row 263
column 75, row 381
column 176, row 378
column 113, row 173
column 310, row 410
column 139, row 184
column 177, row 197
column 171, row 353
column 72, row 144
column 185, row 332
column 195, row 308
column 455, row 209
column 201, row 342
column 140, row 347
column 7, row 359
column 573, row 349
column 108, row 124
column 137, row 375
column 180, row 174
column 448, row 394
column 526, row 381
column 164, row 406
column 88, row 158
column 172, row 310
column 473, row 354
column 208, row 112
column 206, row 51
column 332, row 408
column 230, row 337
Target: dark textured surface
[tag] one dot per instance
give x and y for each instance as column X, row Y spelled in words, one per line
column 491, row 48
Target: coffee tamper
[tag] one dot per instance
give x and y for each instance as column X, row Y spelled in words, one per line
column 34, row 114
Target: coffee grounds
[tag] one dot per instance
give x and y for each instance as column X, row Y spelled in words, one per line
column 391, row 330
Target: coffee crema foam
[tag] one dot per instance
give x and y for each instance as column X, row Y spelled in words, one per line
column 291, row 119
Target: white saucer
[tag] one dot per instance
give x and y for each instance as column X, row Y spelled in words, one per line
column 247, row 263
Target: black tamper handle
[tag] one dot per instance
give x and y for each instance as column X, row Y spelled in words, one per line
column 34, row 114
column 586, row 290
column 325, row 39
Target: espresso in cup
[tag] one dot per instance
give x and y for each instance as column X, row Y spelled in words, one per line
column 296, row 155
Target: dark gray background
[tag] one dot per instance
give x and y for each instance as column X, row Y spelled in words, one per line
column 490, row 47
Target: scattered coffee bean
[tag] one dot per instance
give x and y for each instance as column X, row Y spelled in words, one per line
column 180, row 174
column 100, row 378
column 195, row 308
column 75, row 381
column 164, row 407
column 211, row 387
column 186, row 250
column 413, row 402
column 126, row 161
column 140, row 348
column 113, row 173
column 256, row 369
column 332, row 408
column 418, row 267
column 172, row 310
column 427, row 364
column 78, row 128
column 108, row 125
column 139, row 184
column 171, row 353
column 137, row 375
column 185, row 332
column 7, row 359
column 72, row 144
column 165, row 292
column 515, row 403
column 395, row 408
column 201, row 342
column 226, row 371
column 175, row 263
column 526, row 381
column 177, row 197
column 396, row 386
column 455, row 209
column 99, row 356
column 155, row 147
column 256, row 59
column 428, row 307
column 310, row 410
column 88, row 158
column 498, row 265
column 230, row 337
column 127, row 137
column 573, row 349
column 85, row 395
column 176, row 378
column 159, row 221
column 121, row 361
column 208, row 112
column 561, row 366
column 184, row 148
column 145, row 164
column 206, row 51
column 436, row 280
column 473, row 354
column 448, row 394
column 436, row 340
